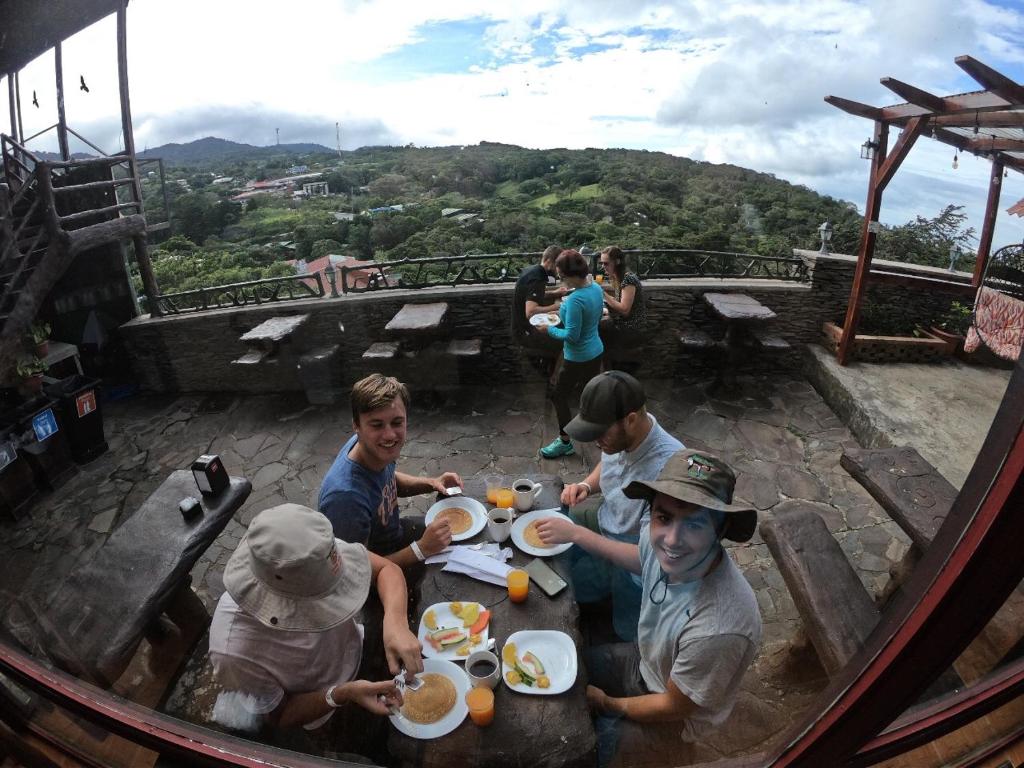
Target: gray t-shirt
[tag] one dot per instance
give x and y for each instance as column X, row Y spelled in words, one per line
column 702, row 637
column 618, row 514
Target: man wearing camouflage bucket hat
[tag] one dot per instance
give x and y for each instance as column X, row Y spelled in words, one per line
column 284, row 639
column 699, row 626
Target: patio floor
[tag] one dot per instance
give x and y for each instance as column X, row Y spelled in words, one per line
column 779, row 434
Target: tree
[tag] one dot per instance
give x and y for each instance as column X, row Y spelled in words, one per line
column 928, row 241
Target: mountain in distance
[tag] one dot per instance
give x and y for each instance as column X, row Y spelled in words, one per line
column 212, row 148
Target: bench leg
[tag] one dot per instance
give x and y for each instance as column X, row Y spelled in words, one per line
column 186, row 609
column 898, row 574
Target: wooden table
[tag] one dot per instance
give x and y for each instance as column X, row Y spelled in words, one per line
column 102, row 610
column 529, row 731
column 741, row 313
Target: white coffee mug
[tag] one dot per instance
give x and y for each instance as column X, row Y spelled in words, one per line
column 499, row 524
column 481, row 661
column 526, row 492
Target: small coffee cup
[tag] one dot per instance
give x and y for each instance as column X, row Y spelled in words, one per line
column 483, row 669
column 526, row 492
column 499, row 524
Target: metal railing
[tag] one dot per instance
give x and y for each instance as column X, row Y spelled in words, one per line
column 267, row 290
column 478, row 269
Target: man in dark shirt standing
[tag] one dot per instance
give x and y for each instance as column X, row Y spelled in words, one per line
column 532, row 297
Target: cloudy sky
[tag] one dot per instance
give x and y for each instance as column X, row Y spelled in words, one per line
column 718, row 80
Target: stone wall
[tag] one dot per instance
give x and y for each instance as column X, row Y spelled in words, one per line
column 193, row 352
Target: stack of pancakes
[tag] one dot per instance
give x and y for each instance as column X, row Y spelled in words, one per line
column 459, row 519
column 431, row 701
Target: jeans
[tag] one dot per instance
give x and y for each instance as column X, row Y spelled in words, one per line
column 571, row 380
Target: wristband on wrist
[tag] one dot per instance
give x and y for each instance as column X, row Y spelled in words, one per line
column 329, row 698
column 415, row 547
column 586, row 485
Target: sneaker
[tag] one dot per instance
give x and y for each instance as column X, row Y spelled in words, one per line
column 556, row 448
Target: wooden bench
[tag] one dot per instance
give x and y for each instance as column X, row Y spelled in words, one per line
column 96, row 619
column 837, row 611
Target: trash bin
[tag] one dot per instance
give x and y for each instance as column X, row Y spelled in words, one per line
column 43, row 442
column 80, row 415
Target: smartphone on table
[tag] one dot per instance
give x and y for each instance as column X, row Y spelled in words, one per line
column 544, row 577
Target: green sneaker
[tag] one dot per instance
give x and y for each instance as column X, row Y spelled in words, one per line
column 556, row 448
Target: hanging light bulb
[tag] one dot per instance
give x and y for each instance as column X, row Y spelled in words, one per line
column 956, row 161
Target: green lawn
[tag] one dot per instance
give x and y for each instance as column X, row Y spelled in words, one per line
column 583, row 193
column 506, row 189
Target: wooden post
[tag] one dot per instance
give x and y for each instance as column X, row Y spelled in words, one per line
column 12, row 101
column 17, row 102
column 141, row 248
column 995, row 186
column 62, row 123
column 44, row 180
column 867, row 244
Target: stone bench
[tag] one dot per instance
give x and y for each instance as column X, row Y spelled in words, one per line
column 837, row 611
column 906, row 486
column 96, row 619
column 767, row 342
column 696, row 340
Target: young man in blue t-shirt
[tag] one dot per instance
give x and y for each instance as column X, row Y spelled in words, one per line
column 359, row 494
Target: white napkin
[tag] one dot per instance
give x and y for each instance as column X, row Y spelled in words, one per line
column 490, row 550
column 479, row 566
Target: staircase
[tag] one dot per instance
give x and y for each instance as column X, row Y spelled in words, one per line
column 38, row 243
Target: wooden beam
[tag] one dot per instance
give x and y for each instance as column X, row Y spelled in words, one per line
column 982, row 143
column 867, row 246
column 1007, row 118
column 900, row 150
column 914, row 95
column 991, row 80
column 988, row 224
column 978, row 101
column 855, row 107
column 141, row 251
column 1012, row 162
column 62, row 123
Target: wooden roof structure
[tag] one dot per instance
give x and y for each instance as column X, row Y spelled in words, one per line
column 32, row 27
column 987, row 123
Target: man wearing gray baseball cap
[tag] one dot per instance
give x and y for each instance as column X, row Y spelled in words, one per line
column 699, row 626
column 285, row 636
column 613, row 413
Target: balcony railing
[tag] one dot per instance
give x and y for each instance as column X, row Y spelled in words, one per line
column 477, row 269
column 264, row 291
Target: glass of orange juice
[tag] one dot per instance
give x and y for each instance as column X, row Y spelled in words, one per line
column 481, row 705
column 599, row 278
column 505, row 497
column 493, row 485
column 518, row 582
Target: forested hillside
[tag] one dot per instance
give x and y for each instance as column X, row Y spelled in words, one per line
column 522, row 200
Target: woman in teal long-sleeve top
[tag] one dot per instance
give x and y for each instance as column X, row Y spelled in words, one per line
column 580, row 315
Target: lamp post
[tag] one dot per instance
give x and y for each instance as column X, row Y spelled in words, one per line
column 825, row 230
column 953, row 256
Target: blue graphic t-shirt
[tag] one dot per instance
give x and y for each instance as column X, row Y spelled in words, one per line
column 361, row 504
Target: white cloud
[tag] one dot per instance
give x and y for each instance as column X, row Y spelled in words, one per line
column 734, row 81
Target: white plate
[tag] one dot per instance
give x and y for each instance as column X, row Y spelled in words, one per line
column 476, row 510
column 524, row 520
column 545, row 318
column 445, row 618
column 556, row 652
column 449, row 722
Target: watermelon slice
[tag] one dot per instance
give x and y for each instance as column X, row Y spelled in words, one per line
column 447, row 637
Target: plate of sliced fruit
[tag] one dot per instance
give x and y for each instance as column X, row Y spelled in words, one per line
column 452, row 631
column 539, row 661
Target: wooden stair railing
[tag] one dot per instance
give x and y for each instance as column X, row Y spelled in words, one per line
column 36, row 246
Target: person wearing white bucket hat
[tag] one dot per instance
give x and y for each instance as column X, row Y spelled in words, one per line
column 285, row 633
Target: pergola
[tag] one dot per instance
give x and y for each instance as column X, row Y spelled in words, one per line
column 987, row 123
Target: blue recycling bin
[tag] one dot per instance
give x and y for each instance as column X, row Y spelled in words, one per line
column 43, row 442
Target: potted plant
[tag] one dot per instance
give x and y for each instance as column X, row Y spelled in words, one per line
column 952, row 326
column 31, row 370
column 40, row 333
